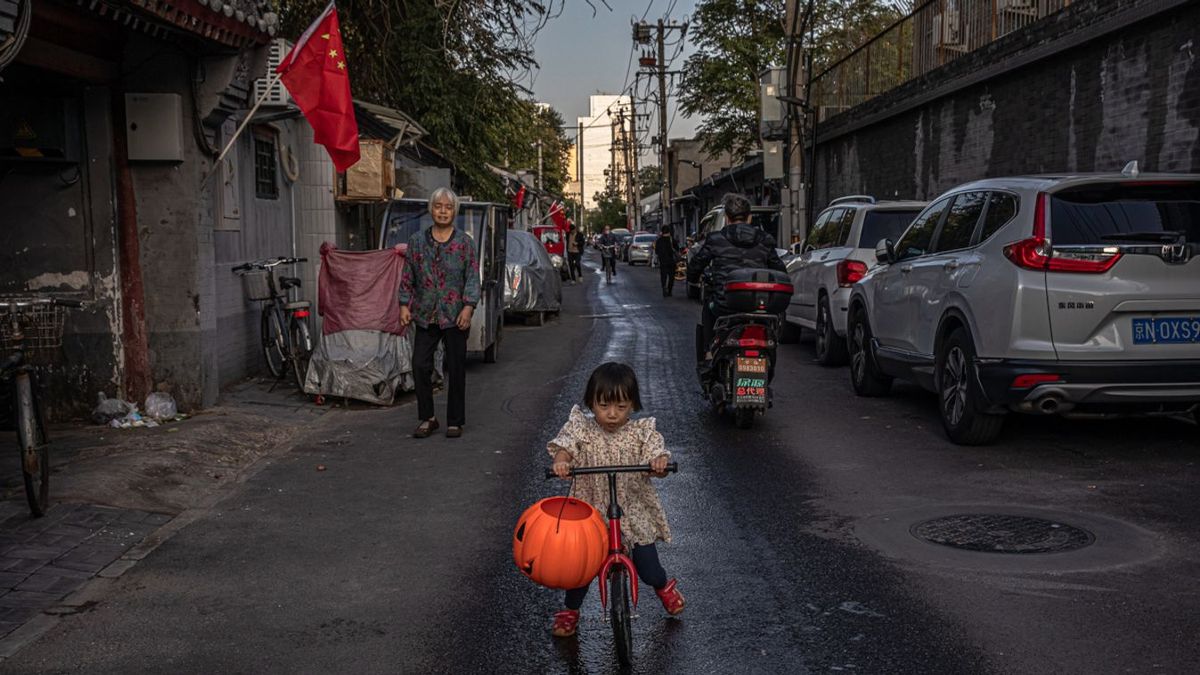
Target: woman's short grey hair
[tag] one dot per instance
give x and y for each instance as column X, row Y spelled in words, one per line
column 444, row 193
column 736, row 207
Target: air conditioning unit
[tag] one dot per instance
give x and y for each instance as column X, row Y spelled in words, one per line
column 277, row 96
column 947, row 32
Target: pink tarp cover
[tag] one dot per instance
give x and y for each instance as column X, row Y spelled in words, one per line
column 359, row 290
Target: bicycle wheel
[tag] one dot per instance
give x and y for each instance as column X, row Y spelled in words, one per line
column 272, row 337
column 608, row 271
column 35, row 453
column 619, row 614
column 301, row 351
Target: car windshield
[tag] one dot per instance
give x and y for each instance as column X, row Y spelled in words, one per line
column 1099, row 214
column 884, row 225
column 406, row 217
column 644, row 239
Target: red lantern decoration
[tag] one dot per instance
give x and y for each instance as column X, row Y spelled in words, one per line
column 560, row 542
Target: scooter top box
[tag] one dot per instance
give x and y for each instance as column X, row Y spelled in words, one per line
column 757, row 290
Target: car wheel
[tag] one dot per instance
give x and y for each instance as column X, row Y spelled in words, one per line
column 831, row 349
column 864, row 374
column 960, row 400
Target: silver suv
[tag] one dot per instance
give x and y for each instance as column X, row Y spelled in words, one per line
column 838, row 251
column 1039, row 294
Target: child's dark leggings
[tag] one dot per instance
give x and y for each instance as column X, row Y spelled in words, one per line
column 645, row 558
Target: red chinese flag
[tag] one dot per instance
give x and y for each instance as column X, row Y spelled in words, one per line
column 315, row 74
column 557, row 215
column 519, row 199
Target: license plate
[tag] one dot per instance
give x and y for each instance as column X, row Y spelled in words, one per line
column 1170, row 330
column 750, row 381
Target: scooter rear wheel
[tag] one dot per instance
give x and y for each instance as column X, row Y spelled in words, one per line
column 743, row 418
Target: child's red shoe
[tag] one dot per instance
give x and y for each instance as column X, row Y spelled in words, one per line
column 565, row 623
column 672, row 599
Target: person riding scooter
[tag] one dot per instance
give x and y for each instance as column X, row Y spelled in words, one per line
column 607, row 243
column 738, row 245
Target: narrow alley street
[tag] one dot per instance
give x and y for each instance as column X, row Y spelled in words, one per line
column 792, row 540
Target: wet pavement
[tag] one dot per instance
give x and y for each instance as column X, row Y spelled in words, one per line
column 792, row 540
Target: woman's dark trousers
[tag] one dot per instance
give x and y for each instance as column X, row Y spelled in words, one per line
column 666, row 274
column 454, row 372
column 645, row 559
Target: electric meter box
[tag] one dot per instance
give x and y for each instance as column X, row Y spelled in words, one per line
column 154, row 127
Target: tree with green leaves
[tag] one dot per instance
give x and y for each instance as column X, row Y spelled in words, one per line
column 451, row 66
column 609, row 210
column 736, row 41
column 649, row 180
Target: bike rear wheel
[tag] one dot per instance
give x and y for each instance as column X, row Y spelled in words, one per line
column 35, row 452
column 272, row 342
column 620, row 615
column 301, row 351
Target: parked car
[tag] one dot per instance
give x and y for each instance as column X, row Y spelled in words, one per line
column 763, row 217
column 532, row 285
column 837, row 252
column 624, row 239
column 1040, row 294
column 485, row 223
column 641, row 248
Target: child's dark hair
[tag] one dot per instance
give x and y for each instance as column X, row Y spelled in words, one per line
column 612, row 382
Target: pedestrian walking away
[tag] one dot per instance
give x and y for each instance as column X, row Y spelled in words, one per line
column 575, row 245
column 608, row 437
column 439, row 290
column 737, row 245
column 664, row 250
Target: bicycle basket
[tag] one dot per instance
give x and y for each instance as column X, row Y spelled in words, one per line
column 255, row 285
column 42, row 325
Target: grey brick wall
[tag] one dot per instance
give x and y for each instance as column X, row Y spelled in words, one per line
column 1132, row 93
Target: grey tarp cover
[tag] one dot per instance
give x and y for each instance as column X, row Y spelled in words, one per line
column 531, row 284
column 365, row 365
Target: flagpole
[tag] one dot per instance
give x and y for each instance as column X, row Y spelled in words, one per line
column 242, row 127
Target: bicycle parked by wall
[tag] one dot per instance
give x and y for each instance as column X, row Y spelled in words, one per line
column 286, row 343
column 27, row 324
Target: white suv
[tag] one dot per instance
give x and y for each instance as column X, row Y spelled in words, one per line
column 1039, row 294
column 838, row 251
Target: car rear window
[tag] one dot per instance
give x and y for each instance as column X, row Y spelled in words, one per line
column 644, row 238
column 1098, row 214
column 884, row 225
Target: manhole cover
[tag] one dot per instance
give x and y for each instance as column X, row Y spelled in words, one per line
column 998, row 533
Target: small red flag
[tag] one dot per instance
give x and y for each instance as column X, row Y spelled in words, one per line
column 557, row 215
column 315, row 74
column 519, row 198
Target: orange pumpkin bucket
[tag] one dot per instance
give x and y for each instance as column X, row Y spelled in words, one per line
column 560, row 542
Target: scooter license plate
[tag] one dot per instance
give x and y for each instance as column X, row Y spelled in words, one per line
column 750, row 381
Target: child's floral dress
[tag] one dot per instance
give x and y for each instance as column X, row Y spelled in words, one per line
column 643, row 520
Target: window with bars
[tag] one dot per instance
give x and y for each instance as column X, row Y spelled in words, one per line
column 266, row 184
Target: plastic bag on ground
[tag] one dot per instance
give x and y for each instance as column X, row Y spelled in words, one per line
column 109, row 409
column 160, row 406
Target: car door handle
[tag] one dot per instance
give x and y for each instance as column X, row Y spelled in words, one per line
column 952, row 265
column 906, row 268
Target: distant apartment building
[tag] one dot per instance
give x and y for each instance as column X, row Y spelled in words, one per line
column 597, row 144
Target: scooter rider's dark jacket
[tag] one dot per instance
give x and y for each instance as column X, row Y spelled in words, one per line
column 735, row 246
column 609, row 239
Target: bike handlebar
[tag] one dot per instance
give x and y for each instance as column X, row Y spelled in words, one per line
column 672, row 467
column 267, row 263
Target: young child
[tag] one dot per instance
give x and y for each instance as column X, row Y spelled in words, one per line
column 609, row 437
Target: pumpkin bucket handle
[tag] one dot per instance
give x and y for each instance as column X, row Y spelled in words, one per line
column 570, row 491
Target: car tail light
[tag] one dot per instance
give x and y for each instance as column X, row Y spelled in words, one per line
column 850, row 271
column 1036, row 253
column 300, row 314
column 1031, row 380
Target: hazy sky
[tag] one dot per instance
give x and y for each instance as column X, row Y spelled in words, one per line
column 581, row 55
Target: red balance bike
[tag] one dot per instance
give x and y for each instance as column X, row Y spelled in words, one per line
column 618, row 573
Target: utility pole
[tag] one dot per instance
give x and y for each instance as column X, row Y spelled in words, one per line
column 635, row 149
column 539, row 144
column 657, row 65
column 582, row 214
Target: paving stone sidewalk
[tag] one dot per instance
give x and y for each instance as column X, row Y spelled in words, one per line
column 44, row 559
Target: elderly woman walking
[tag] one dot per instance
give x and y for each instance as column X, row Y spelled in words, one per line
column 439, row 290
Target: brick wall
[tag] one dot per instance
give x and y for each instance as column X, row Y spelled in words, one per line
column 1089, row 89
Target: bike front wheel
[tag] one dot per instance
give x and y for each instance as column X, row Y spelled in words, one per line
column 35, row 452
column 272, row 342
column 620, row 615
column 301, row 351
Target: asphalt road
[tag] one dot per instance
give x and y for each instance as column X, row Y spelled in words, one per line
column 792, row 540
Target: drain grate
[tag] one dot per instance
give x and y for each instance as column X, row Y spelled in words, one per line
column 999, row 533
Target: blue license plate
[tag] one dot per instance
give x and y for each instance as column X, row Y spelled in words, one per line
column 1170, row 330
